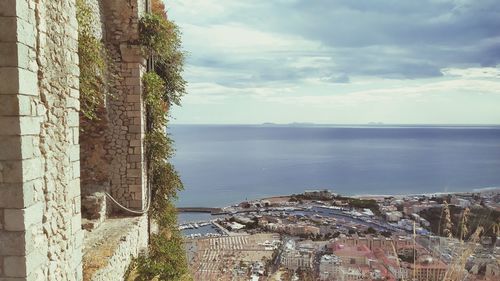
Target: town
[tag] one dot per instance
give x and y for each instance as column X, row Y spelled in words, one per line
column 320, row 235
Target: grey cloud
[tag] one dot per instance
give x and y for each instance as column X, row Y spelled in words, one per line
column 341, row 78
column 360, row 35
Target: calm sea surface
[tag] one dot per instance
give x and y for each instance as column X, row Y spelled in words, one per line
column 221, row 165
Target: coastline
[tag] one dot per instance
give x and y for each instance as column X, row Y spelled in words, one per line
column 358, row 196
column 429, row 194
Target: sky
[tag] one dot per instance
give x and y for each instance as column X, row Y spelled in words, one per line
column 339, row 61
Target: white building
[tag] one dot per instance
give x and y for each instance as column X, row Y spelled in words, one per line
column 329, row 267
column 393, row 216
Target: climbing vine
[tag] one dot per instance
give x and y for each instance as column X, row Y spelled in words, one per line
column 161, row 41
column 163, row 88
column 95, row 76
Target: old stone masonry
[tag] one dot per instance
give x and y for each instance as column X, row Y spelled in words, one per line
column 58, row 171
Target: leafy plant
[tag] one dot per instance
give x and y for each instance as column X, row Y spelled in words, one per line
column 163, row 87
column 95, row 74
column 166, row 259
column 161, row 40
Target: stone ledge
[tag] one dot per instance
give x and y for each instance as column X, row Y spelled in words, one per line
column 109, row 249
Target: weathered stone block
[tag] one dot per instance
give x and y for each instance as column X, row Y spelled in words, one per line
column 18, row 81
column 13, row 8
column 8, row 25
column 20, row 195
column 8, row 52
column 73, row 103
column 30, row 125
column 78, row 239
column 138, row 150
column 76, row 135
column 1, row 223
column 16, row 148
column 9, row 105
column 8, row 8
column 74, row 188
column 73, row 118
column 134, row 158
column 23, row 266
column 15, row 29
column 13, row 54
column 135, row 143
column 76, row 224
column 77, row 205
column 32, row 169
column 10, row 148
column 74, row 153
column 135, row 129
column 22, row 219
column 94, row 206
column 133, row 81
column 15, row 105
column 11, row 171
column 131, row 54
column 74, row 93
column 10, row 125
column 133, row 98
column 76, row 169
column 133, row 113
column 134, row 173
column 12, row 243
column 135, row 188
column 138, row 204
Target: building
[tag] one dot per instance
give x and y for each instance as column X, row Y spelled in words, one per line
column 391, row 264
column 359, row 255
column 351, row 274
column 460, row 202
column 427, row 268
column 301, row 229
column 318, row 194
column 393, row 216
column 373, row 242
column 329, row 267
column 295, row 259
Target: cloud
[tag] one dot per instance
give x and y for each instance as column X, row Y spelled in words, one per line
column 341, row 78
column 329, row 52
column 386, row 38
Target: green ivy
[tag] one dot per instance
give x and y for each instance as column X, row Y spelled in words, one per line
column 163, row 88
column 161, row 40
column 164, row 179
column 166, row 259
column 95, row 75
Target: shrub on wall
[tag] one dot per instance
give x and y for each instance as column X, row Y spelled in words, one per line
column 166, row 259
column 161, row 41
column 95, row 75
column 163, row 88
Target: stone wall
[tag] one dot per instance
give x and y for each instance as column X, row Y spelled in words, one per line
column 40, row 203
column 110, row 249
column 125, row 138
column 112, row 147
column 95, row 161
column 40, row 232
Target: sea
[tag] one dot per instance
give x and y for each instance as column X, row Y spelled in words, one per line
column 224, row 164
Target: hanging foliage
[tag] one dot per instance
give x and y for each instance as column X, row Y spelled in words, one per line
column 95, row 75
column 161, row 40
column 163, row 87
